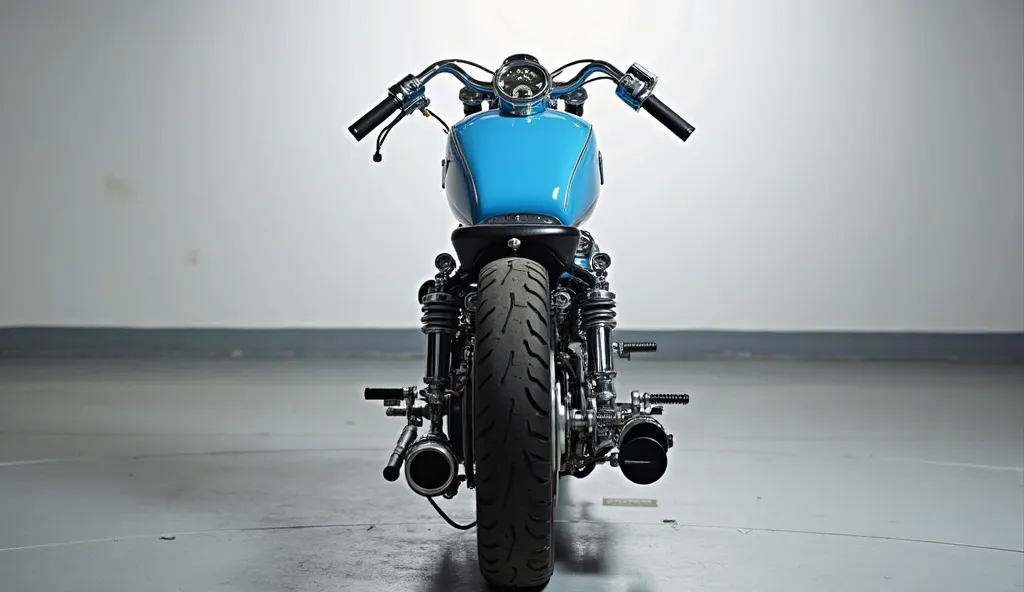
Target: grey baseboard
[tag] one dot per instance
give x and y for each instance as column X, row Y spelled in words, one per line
column 342, row 343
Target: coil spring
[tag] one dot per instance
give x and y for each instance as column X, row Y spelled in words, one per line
column 440, row 313
column 598, row 310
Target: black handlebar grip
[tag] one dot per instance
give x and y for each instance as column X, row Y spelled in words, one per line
column 668, row 117
column 376, row 116
column 383, row 394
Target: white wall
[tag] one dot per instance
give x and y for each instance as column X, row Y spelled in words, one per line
column 857, row 165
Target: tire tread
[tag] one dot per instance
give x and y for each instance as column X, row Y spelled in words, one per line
column 513, row 413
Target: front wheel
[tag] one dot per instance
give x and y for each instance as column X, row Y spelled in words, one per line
column 512, row 380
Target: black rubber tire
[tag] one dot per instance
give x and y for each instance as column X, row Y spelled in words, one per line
column 513, row 425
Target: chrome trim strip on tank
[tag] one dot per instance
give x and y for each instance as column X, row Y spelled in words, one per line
column 468, row 172
column 568, row 188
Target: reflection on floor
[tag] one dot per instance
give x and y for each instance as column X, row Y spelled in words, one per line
column 250, row 476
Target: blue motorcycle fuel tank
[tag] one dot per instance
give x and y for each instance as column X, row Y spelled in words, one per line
column 545, row 164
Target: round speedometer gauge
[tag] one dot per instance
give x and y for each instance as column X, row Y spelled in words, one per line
column 522, row 86
column 522, row 82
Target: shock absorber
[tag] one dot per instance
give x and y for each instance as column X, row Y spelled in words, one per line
column 440, row 322
column 597, row 320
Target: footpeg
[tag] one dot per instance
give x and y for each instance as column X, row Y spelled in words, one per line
column 387, row 394
column 667, row 399
column 398, row 402
column 652, row 402
column 626, row 349
column 415, row 414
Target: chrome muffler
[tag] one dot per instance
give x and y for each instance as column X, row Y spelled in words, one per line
column 643, row 450
column 430, row 466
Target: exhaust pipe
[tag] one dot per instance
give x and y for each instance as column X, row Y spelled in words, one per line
column 430, row 466
column 643, row 450
column 394, row 467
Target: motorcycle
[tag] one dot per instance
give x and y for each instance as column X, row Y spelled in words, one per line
column 519, row 387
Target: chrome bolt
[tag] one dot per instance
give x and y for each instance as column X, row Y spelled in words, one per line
column 470, row 303
column 561, row 300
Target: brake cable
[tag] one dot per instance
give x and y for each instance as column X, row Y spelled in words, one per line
column 429, row 113
column 450, row 522
column 383, row 135
column 571, row 64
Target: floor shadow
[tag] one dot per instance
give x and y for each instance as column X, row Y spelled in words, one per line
column 583, row 544
column 457, row 569
column 584, row 547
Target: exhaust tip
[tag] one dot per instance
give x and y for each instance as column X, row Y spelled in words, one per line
column 643, row 450
column 430, row 467
column 393, row 469
column 643, row 460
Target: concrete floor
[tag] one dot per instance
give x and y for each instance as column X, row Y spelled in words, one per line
column 265, row 476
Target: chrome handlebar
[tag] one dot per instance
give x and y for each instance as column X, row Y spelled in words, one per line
column 595, row 67
column 635, row 87
column 451, row 67
column 558, row 89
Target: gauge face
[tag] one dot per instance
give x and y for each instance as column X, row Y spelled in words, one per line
column 522, row 82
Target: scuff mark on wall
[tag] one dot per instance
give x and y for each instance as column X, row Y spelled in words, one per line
column 118, row 189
